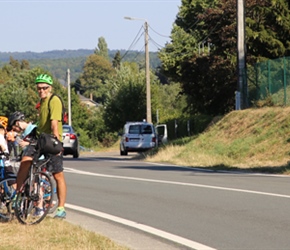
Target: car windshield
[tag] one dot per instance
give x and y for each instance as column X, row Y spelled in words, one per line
column 140, row 129
column 146, row 129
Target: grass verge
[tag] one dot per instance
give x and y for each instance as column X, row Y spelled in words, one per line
column 256, row 140
column 52, row 234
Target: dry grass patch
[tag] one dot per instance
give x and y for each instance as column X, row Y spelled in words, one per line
column 52, row 234
column 253, row 138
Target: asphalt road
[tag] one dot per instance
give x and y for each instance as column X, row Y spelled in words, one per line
column 192, row 208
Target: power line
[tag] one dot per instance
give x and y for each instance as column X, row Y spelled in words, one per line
column 151, row 39
column 134, row 42
column 126, row 53
column 158, row 32
column 155, row 43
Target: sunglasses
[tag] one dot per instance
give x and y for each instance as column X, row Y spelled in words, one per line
column 42, row 88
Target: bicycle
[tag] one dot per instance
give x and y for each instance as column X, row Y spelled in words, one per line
column 7, row 190
column 54, row 203
column 37, row 191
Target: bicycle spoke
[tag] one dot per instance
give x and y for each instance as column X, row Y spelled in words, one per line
column 7, row 195
column 34, row 199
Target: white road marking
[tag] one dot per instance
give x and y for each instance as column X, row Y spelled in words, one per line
column 74, row 171
column 142, row 227
column 148, row 229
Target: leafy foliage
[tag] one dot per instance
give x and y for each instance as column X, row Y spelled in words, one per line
column 102, row 49
column 17, row 93
column 97, row 70
column 125, row 99
column 209, row 79
column 170, row 103
column 117, row 60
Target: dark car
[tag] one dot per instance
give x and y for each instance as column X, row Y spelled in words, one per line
column 70, row 141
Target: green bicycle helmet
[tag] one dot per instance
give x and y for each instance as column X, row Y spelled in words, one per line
column 43, row 78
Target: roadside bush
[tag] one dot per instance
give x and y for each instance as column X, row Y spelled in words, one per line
column 109, row 139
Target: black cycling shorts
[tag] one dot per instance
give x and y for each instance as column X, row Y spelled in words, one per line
column 55, row 165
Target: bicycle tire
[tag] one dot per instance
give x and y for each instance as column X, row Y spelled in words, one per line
column 54, row 203
column 7, row 195
column 28, row 201
column 53, row 187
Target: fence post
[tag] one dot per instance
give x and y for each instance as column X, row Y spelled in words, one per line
column 269, row 77
column 175, row 128
column 238, row 100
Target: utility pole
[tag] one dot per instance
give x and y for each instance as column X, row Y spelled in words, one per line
column 242, row 94
column 148, row 89
column 69, row 97
column 147, row 70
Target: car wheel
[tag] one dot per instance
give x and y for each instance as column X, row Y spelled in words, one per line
column 123, row 152
column 76, row 154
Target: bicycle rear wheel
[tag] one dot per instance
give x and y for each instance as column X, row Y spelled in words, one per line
column 34, row 199
column 7, row 197
column 51, row 195
column 54, row 203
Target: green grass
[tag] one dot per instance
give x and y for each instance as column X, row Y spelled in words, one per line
column 256, row 140
column 52, row 234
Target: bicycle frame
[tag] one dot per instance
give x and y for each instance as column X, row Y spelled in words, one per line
column 7, row 191
column 35, row 193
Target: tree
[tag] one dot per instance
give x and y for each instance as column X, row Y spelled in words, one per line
column 25, row 64
column 102, row 49
column 170, row 102
column 97, row 70
column 117, row 60
column 126, row 100
column 209, row 78
column 14, row 63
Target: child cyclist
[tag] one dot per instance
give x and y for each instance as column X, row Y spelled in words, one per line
column 5, row 168
column 4, row 145
column 27, row 143
column 3, row 142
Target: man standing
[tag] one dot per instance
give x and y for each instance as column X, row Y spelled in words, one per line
column 50, row 122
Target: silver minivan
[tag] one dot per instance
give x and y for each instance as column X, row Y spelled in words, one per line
column 137, row 137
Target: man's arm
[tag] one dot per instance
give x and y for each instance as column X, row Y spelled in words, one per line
column 3, row 148
column 54, row 128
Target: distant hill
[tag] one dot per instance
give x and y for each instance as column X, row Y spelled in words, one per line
column 58, row 61
column 55, row 54
column 65, row 54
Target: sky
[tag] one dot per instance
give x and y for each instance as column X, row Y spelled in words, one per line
column 45, row 25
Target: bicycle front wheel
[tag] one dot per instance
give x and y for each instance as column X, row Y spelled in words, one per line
column 32, row 201
column 7, row 198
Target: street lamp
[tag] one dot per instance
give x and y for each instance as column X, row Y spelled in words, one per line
column 147, row 71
